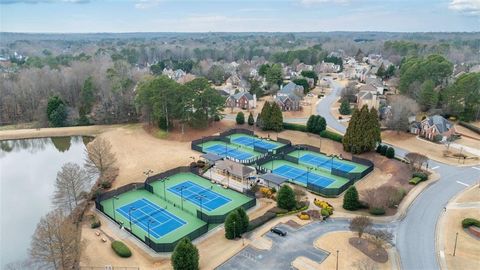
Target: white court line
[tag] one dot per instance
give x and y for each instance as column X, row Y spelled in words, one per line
column 478, row 169
column 436, row 167
column 461, row 183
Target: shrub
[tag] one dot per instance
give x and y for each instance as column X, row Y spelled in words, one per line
column 350, row 200
column 331, row 135
column 121, row 249
column 415, row 180
column 296, row 127
column 273, row 189
column 390, row 153
column 266, row 192
column 324, row 205
column 95, row 223
column 286, row 198
column 325, row 213
column 437, row 138
column 377, row 211
column 383, row 151
column 255, row 223
column 304, row 216
column 420, row 175
column 216, row 118
column 251, row 120
column 379, row 149
column 470, row 222
column 240, row 118
column 106, row 184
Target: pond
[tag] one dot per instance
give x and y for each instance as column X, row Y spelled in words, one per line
column 28, row 170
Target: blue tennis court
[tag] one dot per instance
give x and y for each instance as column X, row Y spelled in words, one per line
column 326, row 162
column 201, row 196
column 299, row 175
column 227, row 151
column 252, row 141
column 143, row 211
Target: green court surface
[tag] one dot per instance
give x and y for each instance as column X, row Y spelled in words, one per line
column 230, row 199
column 191, row 222
column 321, row 161
column 251, row 141
column 223, row 149
column 276, row 164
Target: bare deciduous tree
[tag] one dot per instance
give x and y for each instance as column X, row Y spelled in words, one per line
column 100, row 157
column 380, row 238
column 360, row 225
column 401, row 108
column 55, row 243
column 71, row 182
column 417, row 160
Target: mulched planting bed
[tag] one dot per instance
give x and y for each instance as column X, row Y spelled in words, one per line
column 379, row 255
column 293, row 224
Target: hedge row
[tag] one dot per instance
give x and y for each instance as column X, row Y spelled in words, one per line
column 421, row 175
column 415, row 180
column 470, row 222
column 305, row 207
column 331, row 135
column 296, row 127
column 121, row 249
column 255, row 223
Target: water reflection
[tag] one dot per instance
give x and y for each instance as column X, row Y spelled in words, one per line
column 28, row 169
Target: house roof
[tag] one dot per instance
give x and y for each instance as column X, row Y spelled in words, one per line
column 365, row 95
column 376, row 82
column 290, row 87
column 442, row 124
column 237, row 96
column 234, row 168
column 368, row 88
column 273, row 178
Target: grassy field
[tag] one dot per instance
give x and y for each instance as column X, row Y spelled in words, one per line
column 193, row 223
column 338, row 181
column 299, row 153
column 237, row 199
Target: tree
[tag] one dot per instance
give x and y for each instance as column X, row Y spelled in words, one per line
column 401, row 109
column 263, row 119
column 157, row 68
column 100, row 157
column 390, row 71
column 316, row 124
column 251, row 120
column 428, row 97
column 350, row 199
column 276, row 118
column 349, row 92
column 274, row 75
column 56, row 111
column 55, row 243
column 262, row 71
column 381, row 71
column 87, row 96
column 185, row 256
column 256, row 88
column 363, row 132
column 70, row 184
column 345, row 107
column 233, row 225
column 243, row 220
column 462, row 98
column 390, row 153
column 217, row 74
column 360, row 225
column 380, row 237
column 240, row 118
column 286, row 198
column 310, row 74
column 303, row 82
column 416, row 160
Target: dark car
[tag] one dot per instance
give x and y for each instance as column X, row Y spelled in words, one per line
column 278, row 231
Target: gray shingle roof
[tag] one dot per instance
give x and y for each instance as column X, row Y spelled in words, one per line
column 441, row 123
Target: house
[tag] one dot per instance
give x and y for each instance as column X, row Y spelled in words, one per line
column 368, row 98
column 242, row 100
column 234, row 171
column 434, row 128
column 233, row 80
column 289, row 97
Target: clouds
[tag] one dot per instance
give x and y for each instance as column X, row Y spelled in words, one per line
column 42, row 1
column 145, row 4
column 467, row 7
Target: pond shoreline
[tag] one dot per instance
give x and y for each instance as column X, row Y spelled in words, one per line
column 17, row 134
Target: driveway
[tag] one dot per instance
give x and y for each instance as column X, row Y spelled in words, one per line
column 298, row 242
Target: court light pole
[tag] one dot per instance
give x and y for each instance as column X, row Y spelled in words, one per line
column 309, row 169
column 114, row 198
column 337, row 260
column 164, row 180
column 130, row 216
column 147, row 172
column 234, row 232
column 181, row 195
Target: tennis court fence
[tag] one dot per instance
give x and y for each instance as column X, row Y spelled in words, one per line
column 216, row 219
column 237, row 130
column 112, row 193
column 169, row 247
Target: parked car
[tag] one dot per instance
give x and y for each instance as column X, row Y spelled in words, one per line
column 278, row 231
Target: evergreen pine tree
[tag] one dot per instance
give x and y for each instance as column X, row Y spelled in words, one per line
column 240, row 118
column 310, row 123
column 286, row 198
column 350, row 200
column 185, row 256
column 264, row 117
column 251, row 120
column 232, row 225
column 276, row 118
column 243, row 219
column 345, row 107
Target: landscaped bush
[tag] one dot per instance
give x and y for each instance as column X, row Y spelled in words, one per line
column 331, row 135
column 390, row 153
column 296, row 127
column 420, row 175
column 377, row 211
column 304, row 216
column 273, row 190
column 415, row 180
column 121, row 249
column 255, row 223
column 379, row 149
column 95, row 223
column 325, row 213
column 266, row 192
column 383, row 151
column 470, row 222
column 324, row 205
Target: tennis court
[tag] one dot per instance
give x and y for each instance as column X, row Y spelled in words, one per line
column 144, row 213
column 326, row 162
column 302, row 176
column 252, row 141
column 228, row 151
column 203, row 197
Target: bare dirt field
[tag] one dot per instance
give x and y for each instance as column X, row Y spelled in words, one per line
column 11, row 134
column 432, row 150
column 348, row 256
column 467, row 254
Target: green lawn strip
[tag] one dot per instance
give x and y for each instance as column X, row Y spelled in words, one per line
column 231, row 145
column 239, row 135
column 339, row 181
column 237, row 199
column 192, row 223
column 359, row 168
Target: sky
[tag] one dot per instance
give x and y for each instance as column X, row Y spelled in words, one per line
column 93, row 16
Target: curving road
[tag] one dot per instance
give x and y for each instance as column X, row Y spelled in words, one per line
column 415, row 235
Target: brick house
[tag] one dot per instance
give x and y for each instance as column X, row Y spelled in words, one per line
column 433, row 128
column 288, row 98
column 242, row 100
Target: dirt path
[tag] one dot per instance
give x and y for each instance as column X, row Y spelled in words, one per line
column 55, row 132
